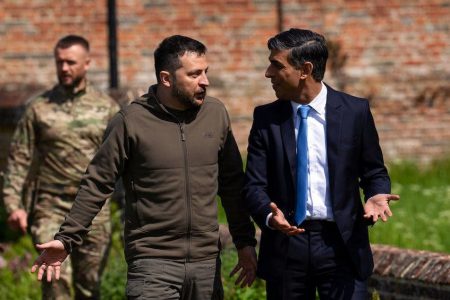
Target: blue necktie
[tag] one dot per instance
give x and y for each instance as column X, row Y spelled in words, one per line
column 302, row 164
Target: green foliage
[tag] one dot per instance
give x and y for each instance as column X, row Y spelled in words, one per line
column 19, row 285
column 422, row 217
column 410, row 173
column 16, row 281
column 233, row 292
column 115, row 275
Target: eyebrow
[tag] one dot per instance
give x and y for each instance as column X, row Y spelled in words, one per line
column 276, row 62
column 198, row 71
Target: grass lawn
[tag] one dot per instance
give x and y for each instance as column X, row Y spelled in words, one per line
column 421, row 221
column 421, row 218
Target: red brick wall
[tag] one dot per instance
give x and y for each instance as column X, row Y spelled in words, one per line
column 30, row 29
column 396, row 53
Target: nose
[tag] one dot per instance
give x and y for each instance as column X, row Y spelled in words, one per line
column 64, row 66
column 204, row 80
column 268, row 72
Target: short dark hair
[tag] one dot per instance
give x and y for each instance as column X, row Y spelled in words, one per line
column 304, row 46
column 169, row 51
column 70, row 40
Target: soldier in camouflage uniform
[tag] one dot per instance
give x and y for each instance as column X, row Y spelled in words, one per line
column 59, row 134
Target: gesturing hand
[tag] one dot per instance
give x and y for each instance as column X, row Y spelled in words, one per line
column 279, row 222
column 50, row 260
column 378, row 207
column 246, row 263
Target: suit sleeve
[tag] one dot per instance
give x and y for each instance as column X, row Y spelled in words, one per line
column 255, row 190
column 97, row 184
column 231, row 179
column 374, row 178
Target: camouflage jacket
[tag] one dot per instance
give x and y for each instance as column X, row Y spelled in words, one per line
column 57, row 137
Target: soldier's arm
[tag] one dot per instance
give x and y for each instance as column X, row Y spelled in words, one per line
column 19, row 161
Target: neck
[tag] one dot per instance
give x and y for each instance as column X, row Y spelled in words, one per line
column 77, row 88
column 309, row 91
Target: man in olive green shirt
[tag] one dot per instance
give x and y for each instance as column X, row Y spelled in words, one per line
column 58, row 135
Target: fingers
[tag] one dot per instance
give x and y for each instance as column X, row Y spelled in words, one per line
column 41, row 271
column 34, row 267
column 240, row 280
column 49, row 273
column 295, row 230
column 274, row 208
column 383, row 215
column 23, row 225
column 245, row 278
column 393, row 197
column 57, row 272
column 288, row 229
column 234, row 271
column 374, row 216
column 42, row 246
column 370, row 216
column 388, row 212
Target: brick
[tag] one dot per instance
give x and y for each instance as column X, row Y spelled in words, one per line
column 396, row 51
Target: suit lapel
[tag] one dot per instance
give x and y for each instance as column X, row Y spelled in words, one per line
column 288, row 136
column 333, row 131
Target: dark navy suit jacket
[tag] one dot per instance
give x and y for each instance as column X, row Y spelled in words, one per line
column 354, row 160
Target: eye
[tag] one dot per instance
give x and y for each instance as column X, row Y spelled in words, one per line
column 278, row 66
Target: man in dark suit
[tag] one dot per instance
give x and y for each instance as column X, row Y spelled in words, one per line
column 308, row 154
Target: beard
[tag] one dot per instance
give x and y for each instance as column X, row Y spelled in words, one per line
column 74, row 83
column 188, row 99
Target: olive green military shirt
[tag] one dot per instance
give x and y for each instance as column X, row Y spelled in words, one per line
column 57, row 136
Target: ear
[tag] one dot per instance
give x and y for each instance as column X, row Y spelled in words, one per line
column 87, row 63
column 165, row 78
column 306, row 70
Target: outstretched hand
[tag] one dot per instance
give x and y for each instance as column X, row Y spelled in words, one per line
column 247, row 265
column 279, row 222
column 50, row 260
column 378, row 207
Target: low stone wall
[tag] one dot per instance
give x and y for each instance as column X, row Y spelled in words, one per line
column 410, row 274
column 399, row 274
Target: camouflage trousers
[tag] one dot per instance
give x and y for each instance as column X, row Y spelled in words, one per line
column 82, row 270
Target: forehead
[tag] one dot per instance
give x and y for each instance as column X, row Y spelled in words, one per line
column 192, row 60
column 74, row 52
column 279, row 55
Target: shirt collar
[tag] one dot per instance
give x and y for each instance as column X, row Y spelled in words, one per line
column 318, row 103
column 71, row 93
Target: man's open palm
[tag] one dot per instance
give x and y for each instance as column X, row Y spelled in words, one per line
column 50, row 260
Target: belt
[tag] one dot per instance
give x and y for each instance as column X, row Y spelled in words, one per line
column 317, row 225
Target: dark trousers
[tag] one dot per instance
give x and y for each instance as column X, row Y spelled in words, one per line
column 317, row 260
column 155, row 278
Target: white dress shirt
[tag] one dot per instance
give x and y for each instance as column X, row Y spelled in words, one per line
column 318, row 205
